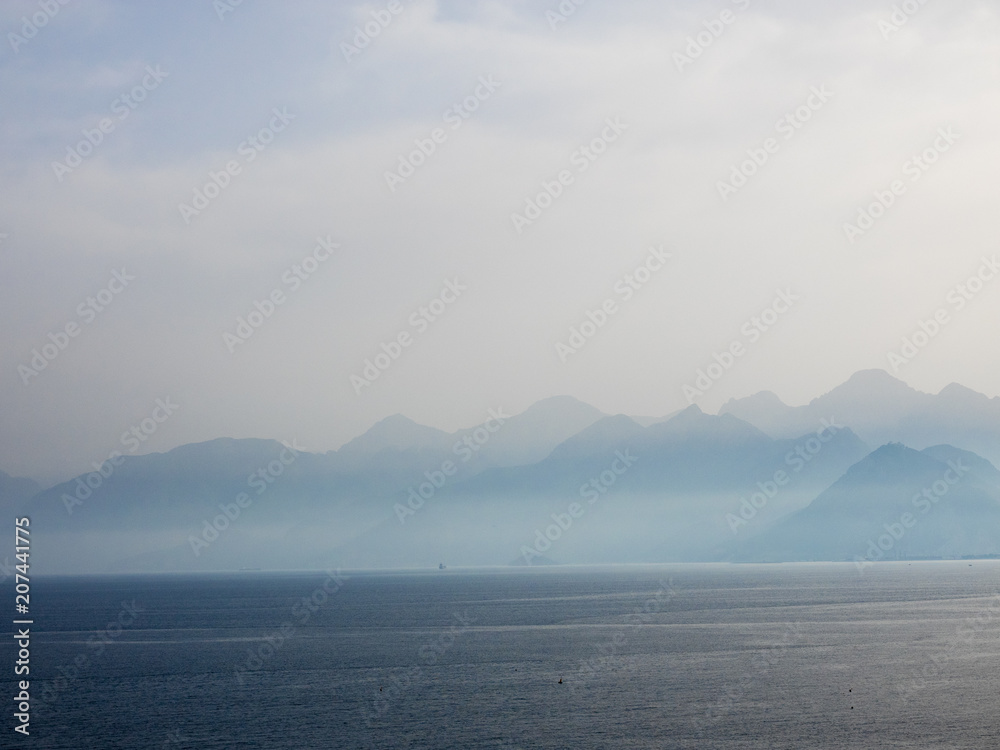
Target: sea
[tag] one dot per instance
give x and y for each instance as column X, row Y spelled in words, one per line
column 808, row 655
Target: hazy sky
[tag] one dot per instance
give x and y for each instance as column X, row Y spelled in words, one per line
column 310, row 115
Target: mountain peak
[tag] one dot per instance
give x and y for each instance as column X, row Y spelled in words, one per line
column 691, row 418
column 693, row 422
column 395, row 431
column 764, row 410
column 956, row 392
column 873, row 511
column 557, row 406
column 395, row 422
column 887, row 464
column 602, row 432
column 692, row 412
column 559, row 400
column 873, row 381
column 875, row 392
column 761, row 399
column 892, row 449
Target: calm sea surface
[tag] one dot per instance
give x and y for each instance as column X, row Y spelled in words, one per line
column 697, row 656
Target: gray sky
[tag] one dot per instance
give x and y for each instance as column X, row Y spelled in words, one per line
column 515, row 91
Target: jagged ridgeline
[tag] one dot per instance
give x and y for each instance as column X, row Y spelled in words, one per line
column 872, row 470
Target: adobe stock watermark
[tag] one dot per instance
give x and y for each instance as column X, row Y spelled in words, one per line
column 87, row 311
column 293, row 277
column 420, row 320
column 366, row 33
column 174, row 737
column 581, row 158
column 789, row 124
column 30, row 26
column 429, row 654
column 753, row 329
column 899, row 17
column 453, row 117
column 249, row 149
column 714, row 28
column 301, row 613
column 7, row 569
column 224, row 7
column 914, row 168
column 467, row 447
column 796, row 459
column 562, row 12
column 625, row 288
column 131, row 439
column 958, row 297
column 591, row 492
column 260, row 480
column 121, row 106
column 923, row 502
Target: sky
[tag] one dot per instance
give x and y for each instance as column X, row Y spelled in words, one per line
column 291, row 220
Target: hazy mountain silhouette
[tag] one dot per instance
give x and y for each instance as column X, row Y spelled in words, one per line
column 531, row 435
column 784, row 483
column 393, row 434
column 883, row 409
column 15, row 492
column 647, row 421
column 896, row 503
column 156, row 502
column 523, row 438
column 657, row 493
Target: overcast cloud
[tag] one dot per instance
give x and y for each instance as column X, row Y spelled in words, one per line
column 870, row 98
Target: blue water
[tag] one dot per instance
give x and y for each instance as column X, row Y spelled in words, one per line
column 698, row 656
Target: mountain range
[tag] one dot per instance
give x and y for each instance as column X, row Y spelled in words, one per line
column 883, row 409
column 853, row 475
